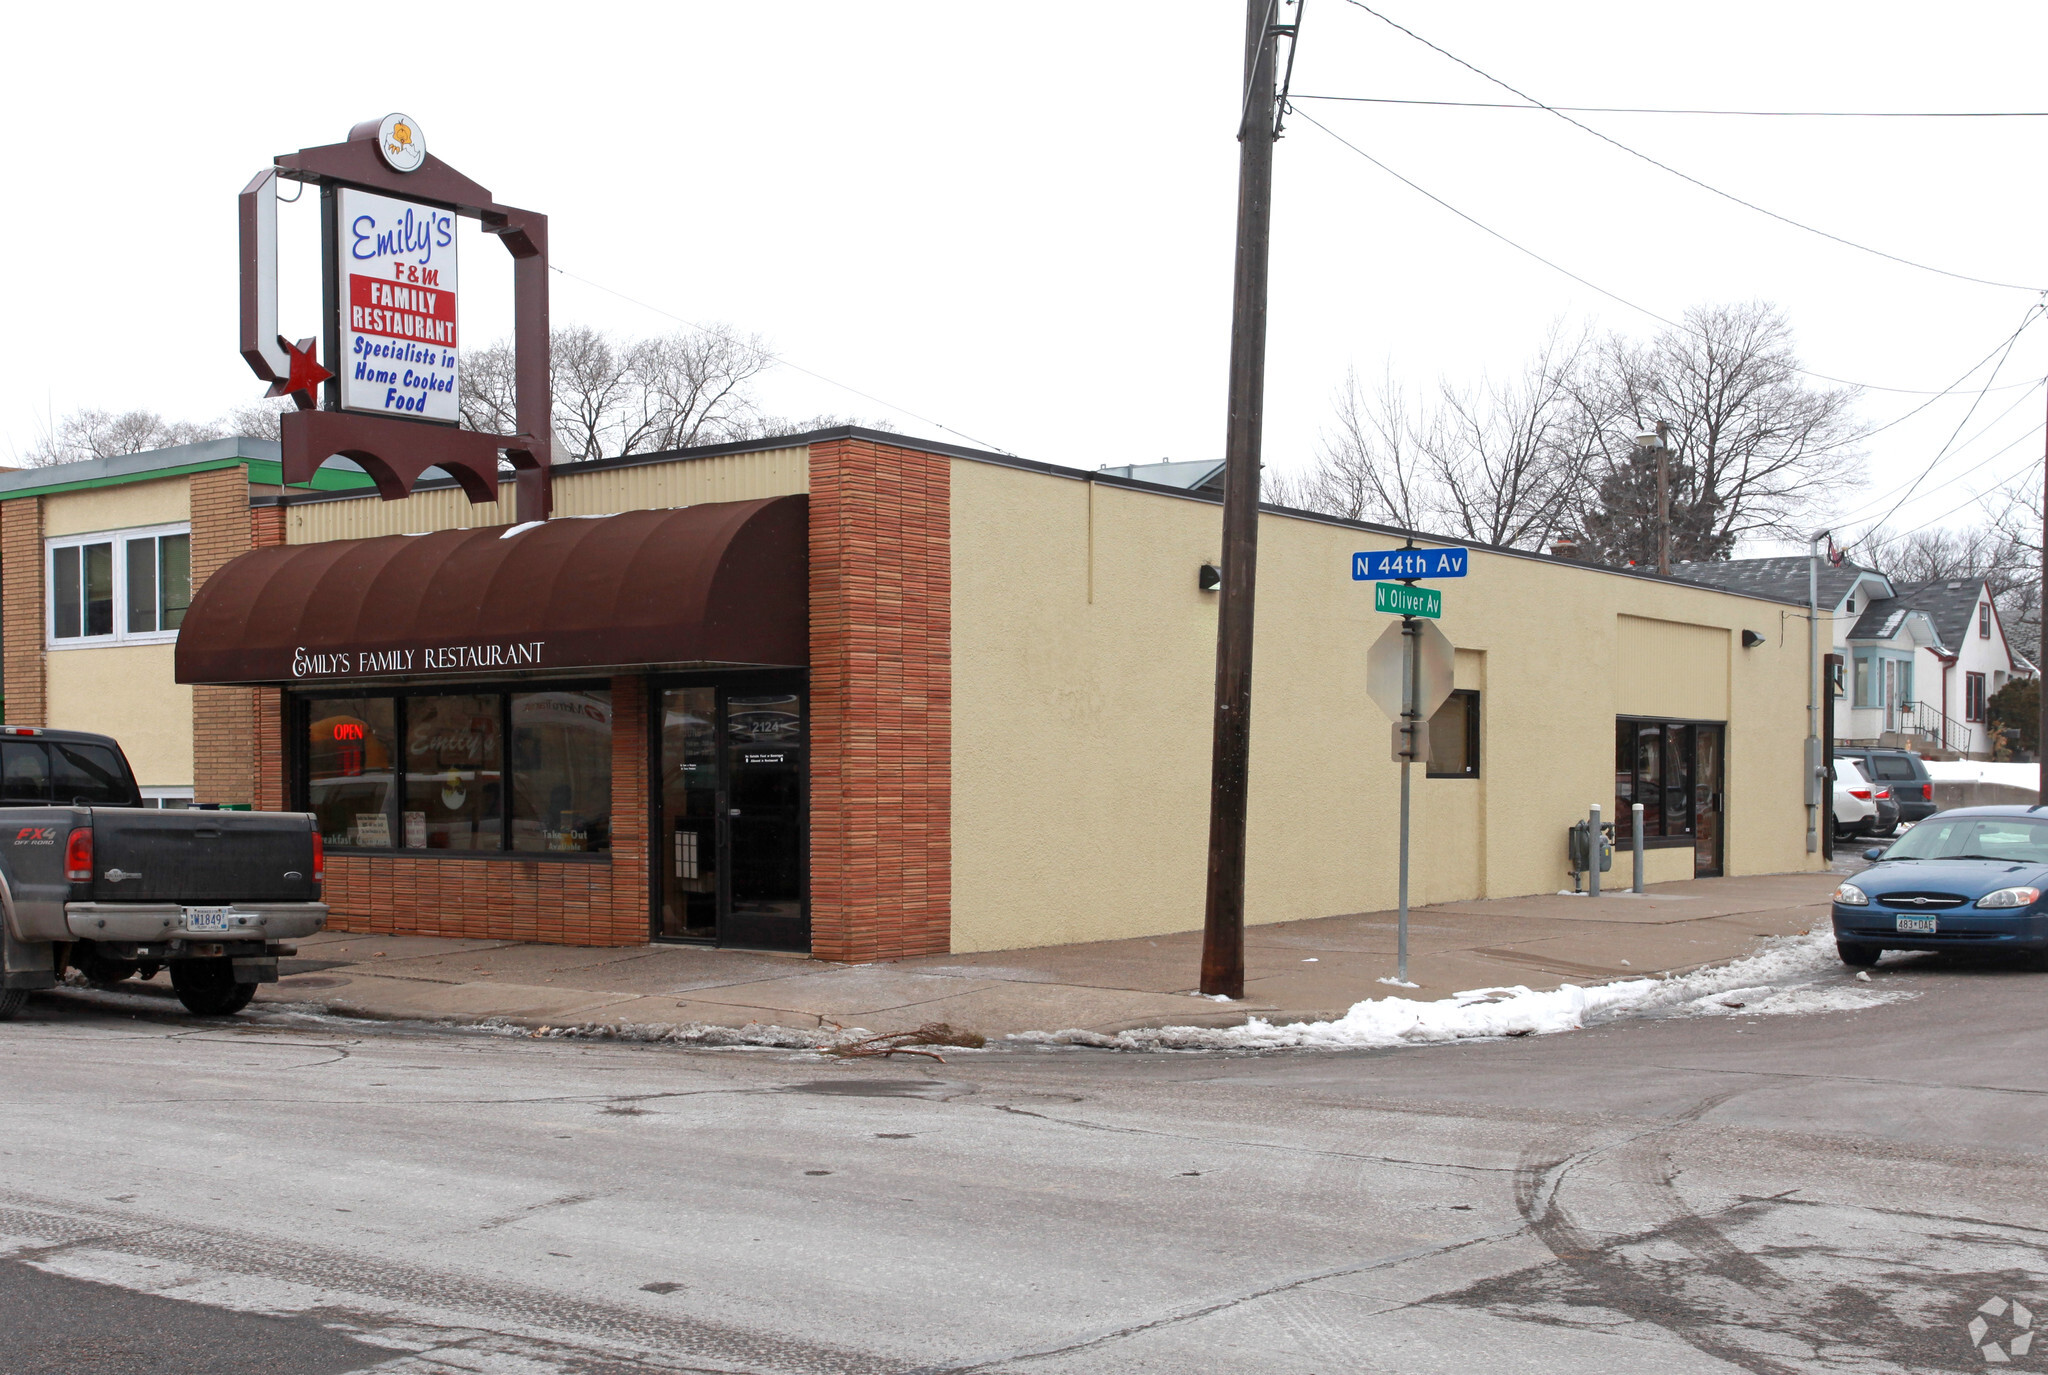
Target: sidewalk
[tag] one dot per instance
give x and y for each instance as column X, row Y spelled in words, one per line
column 1295, row 971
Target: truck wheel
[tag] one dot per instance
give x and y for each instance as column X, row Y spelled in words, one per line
column 101, row 970
column 207, row 988
column 11, row 1000
column 1858, row 953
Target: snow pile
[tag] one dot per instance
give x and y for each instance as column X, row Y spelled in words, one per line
column 2026, row 776
column 1521, row 1011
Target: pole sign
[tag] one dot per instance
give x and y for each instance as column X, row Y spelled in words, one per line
column 397, row 282
column 1407, row 601
column 1410, row 563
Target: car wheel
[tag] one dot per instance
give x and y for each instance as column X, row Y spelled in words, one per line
column 207, row 988
column 11, row 1000
column 1858, row 953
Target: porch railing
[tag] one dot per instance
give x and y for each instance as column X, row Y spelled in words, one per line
column 1928, row 723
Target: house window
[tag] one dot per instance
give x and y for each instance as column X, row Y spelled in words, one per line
column 1983, row 620
column 460, row 773
column 1866, row 683
column 1454, row 738
column 119, row 587
column 1837, row 674
column 1973, row 697
column 1851, row 607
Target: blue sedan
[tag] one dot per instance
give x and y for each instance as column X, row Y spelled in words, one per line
column 1970, row 879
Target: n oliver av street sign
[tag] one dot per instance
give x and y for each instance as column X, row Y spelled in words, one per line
column 1407, row 601
column 1410, row 563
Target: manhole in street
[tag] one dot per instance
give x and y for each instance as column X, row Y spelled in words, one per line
column 867, row 1088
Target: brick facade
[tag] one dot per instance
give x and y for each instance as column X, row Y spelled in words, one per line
column 21, row 612
column 881, row 701
column 223, row 718
column 555, row 901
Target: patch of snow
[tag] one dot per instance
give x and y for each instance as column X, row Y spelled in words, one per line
column 1312, row 960
column 1520, row 1011
column 522, row 528
column 1984, row 771
column 1400, row 983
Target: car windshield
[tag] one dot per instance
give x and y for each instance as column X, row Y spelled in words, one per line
column 2018, row 839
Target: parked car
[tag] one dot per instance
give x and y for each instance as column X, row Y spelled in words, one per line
column 1968, row 879
column 1902, row 771
column 92, row 880
column 1855, row 801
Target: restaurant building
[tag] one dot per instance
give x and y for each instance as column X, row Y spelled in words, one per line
column 860, row 695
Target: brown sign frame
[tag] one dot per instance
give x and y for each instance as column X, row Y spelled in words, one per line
column 395, row 451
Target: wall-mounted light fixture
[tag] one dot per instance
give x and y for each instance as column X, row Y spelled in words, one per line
column 1210, row 578
column 1750, row 639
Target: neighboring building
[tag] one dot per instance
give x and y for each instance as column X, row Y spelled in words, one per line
column 1919, row 661
column 97, row 564
column 871, row 696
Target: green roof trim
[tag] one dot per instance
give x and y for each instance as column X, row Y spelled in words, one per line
column 265, row 469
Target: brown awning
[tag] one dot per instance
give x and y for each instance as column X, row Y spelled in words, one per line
column 722, row 583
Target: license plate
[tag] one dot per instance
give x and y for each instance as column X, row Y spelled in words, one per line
column 1922, row 925
column 214, row 918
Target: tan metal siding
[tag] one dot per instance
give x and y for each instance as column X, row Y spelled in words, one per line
column 645, row 487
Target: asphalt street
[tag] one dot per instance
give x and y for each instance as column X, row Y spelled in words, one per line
column 1834, row 1192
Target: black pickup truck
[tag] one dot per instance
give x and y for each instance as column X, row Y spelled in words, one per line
column 92, row 880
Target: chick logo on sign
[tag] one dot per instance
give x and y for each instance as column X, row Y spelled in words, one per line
column 402, row 144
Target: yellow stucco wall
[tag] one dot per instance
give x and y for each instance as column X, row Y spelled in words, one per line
column 1083, row 666
column 644, row 487
column 128, row 692
column 162, row 502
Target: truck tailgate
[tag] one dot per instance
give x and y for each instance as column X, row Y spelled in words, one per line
column 200, row 858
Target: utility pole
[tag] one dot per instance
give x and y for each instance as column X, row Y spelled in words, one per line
column 1230, row 768
column 1818, row 794
column 2041, row 663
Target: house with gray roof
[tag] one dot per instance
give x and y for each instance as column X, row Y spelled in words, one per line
column 1919, row 660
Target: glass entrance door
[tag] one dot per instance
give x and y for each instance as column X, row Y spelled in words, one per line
column 1707, row 800
column 731, row 865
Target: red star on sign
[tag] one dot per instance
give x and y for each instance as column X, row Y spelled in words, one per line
column 306, row 374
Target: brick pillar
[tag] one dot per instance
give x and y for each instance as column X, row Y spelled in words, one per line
column 881, row 701
column 224, row 740
column 630, row 808
column 21, row 612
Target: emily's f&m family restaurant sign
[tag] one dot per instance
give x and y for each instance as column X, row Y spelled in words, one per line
column 398, row 269
column 362, row 663
column 381, row 385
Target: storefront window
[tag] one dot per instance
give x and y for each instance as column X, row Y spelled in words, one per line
column 1673, row 769
column 561, row 771
column 457, row 792
column 454, row 777
column 1454, row 737
column 350, row 743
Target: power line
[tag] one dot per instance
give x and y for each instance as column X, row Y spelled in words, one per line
column 2033, row 314
column 1666, row 320
column 2023, row 470
column 1989, row 425
column 1652, row 110
column 793, row 367
column 1684, row 176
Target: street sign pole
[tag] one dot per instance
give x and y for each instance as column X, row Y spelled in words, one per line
column 1411, row 694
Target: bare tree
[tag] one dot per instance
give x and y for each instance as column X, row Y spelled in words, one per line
column 614, row 396
column 93, row 433
column 1498, row 463
column 1370, row 465
column 1756, row 447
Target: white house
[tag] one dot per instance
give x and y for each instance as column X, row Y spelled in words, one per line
column 1919, row 661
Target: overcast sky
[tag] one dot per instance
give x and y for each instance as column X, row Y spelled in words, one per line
column 1015, row 220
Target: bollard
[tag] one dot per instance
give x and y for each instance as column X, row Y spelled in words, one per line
column 1636, row 816
column 1593, row 848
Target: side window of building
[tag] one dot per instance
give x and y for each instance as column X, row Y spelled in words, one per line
column 120, row 586
column 1864, row 681
column 1983, row 620
column 1454, row 737
column 1973, row 697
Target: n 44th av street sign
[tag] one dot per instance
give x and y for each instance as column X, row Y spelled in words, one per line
column 1407, row 601
column 1410, row 563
